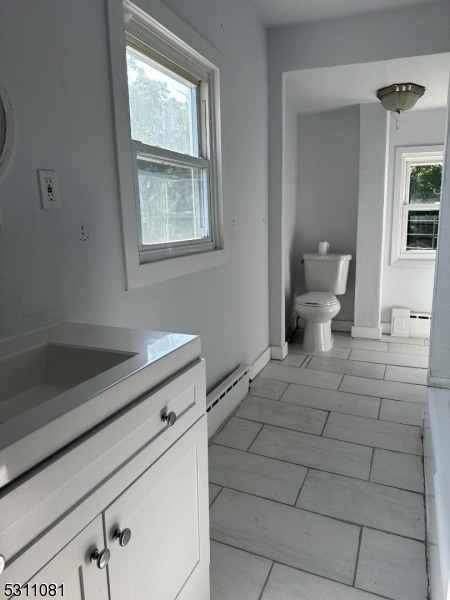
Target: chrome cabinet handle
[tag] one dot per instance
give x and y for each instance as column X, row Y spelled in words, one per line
column 101, row 557
column 123, row 536
column 169, row 418
column 2, row 563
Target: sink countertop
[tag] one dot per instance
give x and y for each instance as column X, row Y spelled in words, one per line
column 34, row 435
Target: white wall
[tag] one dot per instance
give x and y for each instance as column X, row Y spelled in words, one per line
column 327, row 208
column 58, row 78
column 414, row 31
column 290, row 198
column 410, row 287
column 440, row 323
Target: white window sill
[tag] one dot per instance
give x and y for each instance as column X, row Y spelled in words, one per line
column 155, row 272
column 417, row 261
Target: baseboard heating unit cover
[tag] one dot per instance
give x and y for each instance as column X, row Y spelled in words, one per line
column 224, row 398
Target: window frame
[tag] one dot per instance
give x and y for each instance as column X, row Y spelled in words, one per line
column 179, row 259
column 405, row 156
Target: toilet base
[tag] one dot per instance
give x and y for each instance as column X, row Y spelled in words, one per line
column 317, row 337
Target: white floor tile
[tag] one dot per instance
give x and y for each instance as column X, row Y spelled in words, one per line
column 335, row 352
column 351, row 404
column 282, row 414
column 268, row 388
column 213, row 492
column 390, row 358
column 420, row 350
column 406, row 375
column 401, row 340
column 364, row 503
column 399, row 470
column 314, row 451
column 370, row 432
column 318, row 379
column 392, row 566
column 292, row 360
column 259, row 475
column 393, row 390
column 289, row 535
column 397, row 411
column 237, row 433
column 235, row 574
column 286, row 583
column 342, row 341
column 347, row 367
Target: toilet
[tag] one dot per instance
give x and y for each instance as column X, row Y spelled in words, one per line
column 325, row 278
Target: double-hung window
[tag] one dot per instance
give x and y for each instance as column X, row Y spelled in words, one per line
column 167, row 125
column 417, row 203
column 169, row 129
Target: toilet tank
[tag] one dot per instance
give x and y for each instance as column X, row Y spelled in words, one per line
column 326, row 272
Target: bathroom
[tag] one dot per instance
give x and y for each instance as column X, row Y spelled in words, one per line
column 58, row 79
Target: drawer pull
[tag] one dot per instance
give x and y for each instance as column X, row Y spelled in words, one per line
column 101, row 557
column 169, row 418
column 123, row 536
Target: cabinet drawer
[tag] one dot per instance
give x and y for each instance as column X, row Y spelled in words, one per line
column 65, row 480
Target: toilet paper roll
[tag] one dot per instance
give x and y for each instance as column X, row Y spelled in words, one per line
column 324, row 247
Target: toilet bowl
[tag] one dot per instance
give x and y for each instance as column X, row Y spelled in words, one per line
column 317, row 309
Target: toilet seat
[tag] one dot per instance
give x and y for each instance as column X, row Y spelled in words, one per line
column 316, row 299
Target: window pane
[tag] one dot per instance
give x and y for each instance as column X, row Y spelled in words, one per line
column 422, row 230
column 172, row 202
column 425, row 183
column 163, row 108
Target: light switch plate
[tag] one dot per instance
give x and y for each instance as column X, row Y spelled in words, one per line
column 48, row 185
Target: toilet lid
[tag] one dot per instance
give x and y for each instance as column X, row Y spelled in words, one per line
column 316, row 299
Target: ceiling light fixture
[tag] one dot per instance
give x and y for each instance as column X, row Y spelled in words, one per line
column 400, row 96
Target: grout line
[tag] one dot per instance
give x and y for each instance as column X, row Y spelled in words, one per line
column 379, row 410
column 218, row 494
column 357, row 556
column 314, row 468
column 325, row 423
column 301, row 487
column 287, row 387
column 328, row 437
column 371, row 463
column 325, row 515
column 306, row 362
column 266, row 581
column 257, row 433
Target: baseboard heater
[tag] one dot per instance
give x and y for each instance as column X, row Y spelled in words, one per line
column 224, row 398
column 405, row 323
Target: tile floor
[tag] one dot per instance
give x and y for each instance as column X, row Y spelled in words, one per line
column 316, row 482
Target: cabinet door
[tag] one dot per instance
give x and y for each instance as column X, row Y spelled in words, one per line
column 166, row 510
column 71, row 570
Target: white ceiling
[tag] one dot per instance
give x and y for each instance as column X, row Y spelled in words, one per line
column 330, row 88
column 274, row 13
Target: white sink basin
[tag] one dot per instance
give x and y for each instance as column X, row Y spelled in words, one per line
column 60, row 382
column 32, row 377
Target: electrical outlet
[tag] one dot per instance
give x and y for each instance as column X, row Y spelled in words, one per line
column 48, row 185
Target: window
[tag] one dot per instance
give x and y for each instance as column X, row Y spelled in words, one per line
column 416, row 203
column 169, row 129
column 166, row 95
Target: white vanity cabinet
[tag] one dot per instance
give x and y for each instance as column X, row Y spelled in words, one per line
column 69, row 574
column 135, row 488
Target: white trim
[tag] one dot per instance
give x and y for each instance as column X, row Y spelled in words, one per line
column 170, row 28
column 259, row 364
column 403, row 156
column 370, row 333
column 279, row 352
